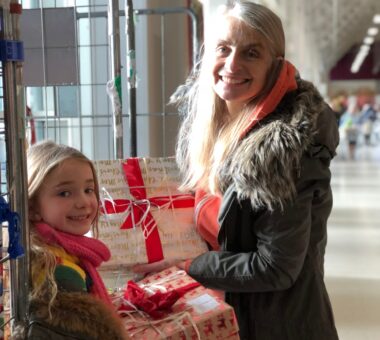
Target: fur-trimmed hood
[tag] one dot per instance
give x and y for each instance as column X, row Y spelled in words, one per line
column 266, row 163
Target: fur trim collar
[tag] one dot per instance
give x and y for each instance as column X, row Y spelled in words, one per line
column 79, row 315
column 266, row 163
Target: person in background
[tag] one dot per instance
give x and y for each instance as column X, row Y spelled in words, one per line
column 255, row 146
column 367, row 119
column 68, row 298
column 349, row 128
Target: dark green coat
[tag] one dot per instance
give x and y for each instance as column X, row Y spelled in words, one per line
column 277, row 199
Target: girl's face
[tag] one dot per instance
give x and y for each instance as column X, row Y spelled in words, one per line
column 66, row 200
column 241, row 64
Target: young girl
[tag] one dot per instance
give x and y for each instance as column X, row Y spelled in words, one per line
column 69, row 299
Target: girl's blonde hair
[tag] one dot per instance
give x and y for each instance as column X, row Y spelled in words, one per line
column 209, row 135
column 42, row 158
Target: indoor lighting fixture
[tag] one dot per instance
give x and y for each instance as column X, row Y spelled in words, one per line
column 369, row 40
column 373, row 31
column 362, row 54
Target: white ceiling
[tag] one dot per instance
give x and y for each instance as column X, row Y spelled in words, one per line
column 320, row 32
column 337, row 25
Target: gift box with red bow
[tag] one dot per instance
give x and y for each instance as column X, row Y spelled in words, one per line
column 144, row 217
column 171, row 305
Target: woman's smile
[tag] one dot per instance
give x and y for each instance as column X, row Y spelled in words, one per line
column 231, row 80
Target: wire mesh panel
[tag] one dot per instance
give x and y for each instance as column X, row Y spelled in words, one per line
column 68, row 102
column 76, row 110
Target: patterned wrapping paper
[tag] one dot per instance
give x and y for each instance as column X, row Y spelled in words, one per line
column 144, row 222
column 199, row 314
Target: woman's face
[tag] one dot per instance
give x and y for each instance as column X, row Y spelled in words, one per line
column 241, row 64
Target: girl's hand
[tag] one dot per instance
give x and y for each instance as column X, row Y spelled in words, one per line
column 160, row 265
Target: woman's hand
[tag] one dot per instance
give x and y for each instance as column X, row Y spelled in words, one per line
column 160, row 265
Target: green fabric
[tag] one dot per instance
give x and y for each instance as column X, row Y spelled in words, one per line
column 118, row 87
column 69, row 280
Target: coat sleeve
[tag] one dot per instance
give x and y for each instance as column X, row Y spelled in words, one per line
column 283, row 237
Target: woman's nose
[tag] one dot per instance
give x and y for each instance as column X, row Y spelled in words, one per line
column 232, row 62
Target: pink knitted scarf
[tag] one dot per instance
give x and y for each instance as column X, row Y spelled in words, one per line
column 90, row 252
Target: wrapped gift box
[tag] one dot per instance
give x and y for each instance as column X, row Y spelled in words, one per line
column 199, row 314
column 144, row 217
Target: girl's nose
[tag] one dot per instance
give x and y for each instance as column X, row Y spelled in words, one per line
column 82, row 201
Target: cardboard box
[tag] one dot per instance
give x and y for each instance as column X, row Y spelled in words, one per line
column 199, row 314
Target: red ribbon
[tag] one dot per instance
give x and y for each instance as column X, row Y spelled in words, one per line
column 140, row 208
column 156, row 305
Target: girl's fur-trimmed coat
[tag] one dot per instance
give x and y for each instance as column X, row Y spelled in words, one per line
column 77, row 316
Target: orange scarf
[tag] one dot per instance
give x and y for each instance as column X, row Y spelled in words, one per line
column 286, row 82
column 207, row 213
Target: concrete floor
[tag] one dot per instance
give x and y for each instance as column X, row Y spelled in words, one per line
column 353, row 253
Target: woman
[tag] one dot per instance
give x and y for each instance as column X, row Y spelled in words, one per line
column 259, row 140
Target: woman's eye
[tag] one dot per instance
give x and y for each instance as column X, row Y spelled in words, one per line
column 220, row 50
column 252, row 53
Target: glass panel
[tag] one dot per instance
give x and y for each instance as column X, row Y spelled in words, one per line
column 82, row 2
column 26, row 4
column 87, row 145
column 98, row 2
column 85, row 65
column 83, row 31
column 99, row 31
column 48, row 3
column 86, row 100
column 67, row 101
column 100, row 62
column 100, row 100
column 34, row 99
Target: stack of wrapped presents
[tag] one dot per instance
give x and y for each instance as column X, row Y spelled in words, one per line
column 144, row 219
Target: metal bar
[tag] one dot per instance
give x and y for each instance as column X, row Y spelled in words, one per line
column 131, row 74
column 14, row 112
column 114, row 47
column 78, row 88
column 163, row 81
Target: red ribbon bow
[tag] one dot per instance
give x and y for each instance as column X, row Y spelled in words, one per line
column 155, row 305
column 140, row 208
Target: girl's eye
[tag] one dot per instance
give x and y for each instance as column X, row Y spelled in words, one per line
column 89, row 190
column 64, row 194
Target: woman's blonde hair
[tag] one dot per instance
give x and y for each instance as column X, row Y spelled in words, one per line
column 42, row 159
column 209, row 135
